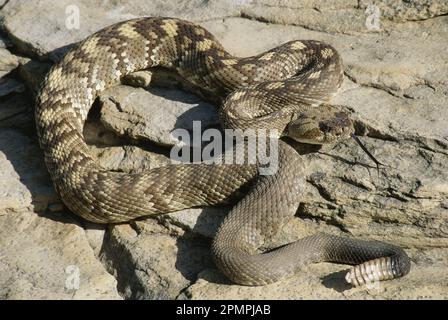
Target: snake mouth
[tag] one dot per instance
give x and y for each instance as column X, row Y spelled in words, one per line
column 336, row 134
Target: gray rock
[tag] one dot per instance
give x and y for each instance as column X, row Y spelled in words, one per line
column 24, row 182
column 201, row 221
column 400, row 11
column 139, row 114
column 45, row 34
column 8, row 62
column 151, row 264
column 49, row 257
column 36, row 248
column 314, row 15
column 344, row 16
column 95, row 234
column 96, row 134
column 50, row 35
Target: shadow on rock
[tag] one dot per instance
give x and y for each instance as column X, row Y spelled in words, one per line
column 336, row 281
column 194, row 246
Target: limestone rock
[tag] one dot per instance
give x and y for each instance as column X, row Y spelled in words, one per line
column 51, row 33
column 344, row 16
column 96, row 134
column 399, row 10
column 201, row 221
column 49, row 257
column 24, row 182
column 8, row 62
column 153, row 265
column 140, row 114
column 346, row 19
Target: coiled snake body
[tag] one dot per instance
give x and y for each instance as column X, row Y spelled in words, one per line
column 284, row 89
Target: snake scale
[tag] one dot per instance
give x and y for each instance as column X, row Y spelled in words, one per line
column 285, row 89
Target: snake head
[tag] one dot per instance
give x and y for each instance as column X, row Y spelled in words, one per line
column 324, row 124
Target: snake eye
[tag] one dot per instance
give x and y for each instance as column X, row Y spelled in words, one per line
column 324, row 127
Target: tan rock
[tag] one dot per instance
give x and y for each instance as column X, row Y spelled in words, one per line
column 49, row 257
column 151, row 264
column 139, row 114
column 24, row 183
column 8, row 62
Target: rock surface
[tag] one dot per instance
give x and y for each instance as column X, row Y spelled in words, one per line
column 44, row 254
column 139, row 114
column 8, row 62
column 396, row 80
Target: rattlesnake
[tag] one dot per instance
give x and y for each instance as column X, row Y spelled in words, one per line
column 285, row 88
